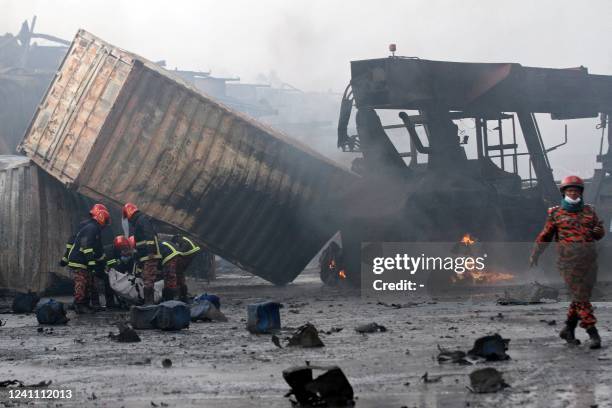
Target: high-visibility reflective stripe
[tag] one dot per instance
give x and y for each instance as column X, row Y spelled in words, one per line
column 111, row 262
column 64, row 259
column 148, row 257
column 145, row 243
column 69, row 246
column 173, row 253
column 87, row 250
column 103, row 257
column 92, row 263
column 77, row 265
column 194, row 247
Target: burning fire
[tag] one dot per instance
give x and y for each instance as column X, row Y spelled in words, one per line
column 479, row 276
column 332, row 267
column 467, row 240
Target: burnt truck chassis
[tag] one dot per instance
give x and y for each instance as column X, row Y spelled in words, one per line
column 449, row 195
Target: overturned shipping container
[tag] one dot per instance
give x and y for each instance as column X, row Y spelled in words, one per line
column 37, row 216
column 114, row 125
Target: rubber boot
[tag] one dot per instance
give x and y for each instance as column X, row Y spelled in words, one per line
column 183, row 297
column 95, row 298
column 594, row 337
column 149, row 296
column 168, row 294
column 569, row 332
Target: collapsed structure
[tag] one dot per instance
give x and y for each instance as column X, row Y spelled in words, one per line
column 116, row 127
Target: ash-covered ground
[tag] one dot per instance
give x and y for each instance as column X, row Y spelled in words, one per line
column 223, row 365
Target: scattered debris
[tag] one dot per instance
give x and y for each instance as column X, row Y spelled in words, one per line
column 529, row 294
column 486, row 380
column 499, row 316
column 126, row 334
column 20, row 384
column 427, row 379
column 2, row 323
column 45, row 330
column 92, row 397
column 549, row 322
column 370, row 328
column 166, row 363
column 276, row 341
column 448, row 356
column 331, row 388
column 79, row 341
column 50, row 311
column 25, row 302
column 306, row 336
column 206, row 311
column 492, row 348
column 263, row 317
column 169, row 315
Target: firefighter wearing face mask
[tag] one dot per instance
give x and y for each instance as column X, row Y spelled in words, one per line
column 84, row 254
column 575, row 226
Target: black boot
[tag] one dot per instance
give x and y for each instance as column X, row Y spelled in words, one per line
column 183, row 296
column 168, row 294
column 594, row 336
column 149, row 296
column 568, row 332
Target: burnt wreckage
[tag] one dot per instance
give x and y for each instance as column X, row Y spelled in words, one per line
column 449, row 194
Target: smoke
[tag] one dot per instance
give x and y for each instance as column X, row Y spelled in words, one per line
column 310, row 43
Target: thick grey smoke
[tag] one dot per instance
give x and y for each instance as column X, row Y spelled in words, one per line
column 309, row 43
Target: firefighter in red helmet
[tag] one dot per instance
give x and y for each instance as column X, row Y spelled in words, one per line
column 84, row 253
column 147, row 248
column 575, row 226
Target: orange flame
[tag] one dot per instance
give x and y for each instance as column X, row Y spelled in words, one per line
column 467, row 240
column 342, row 274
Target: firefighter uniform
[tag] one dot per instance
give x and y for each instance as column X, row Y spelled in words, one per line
column 575, row 226
column 84, row 252
column 176, row 258
column 147, row 251
column 577, row 260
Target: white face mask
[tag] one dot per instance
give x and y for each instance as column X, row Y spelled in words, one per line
column 571, row 201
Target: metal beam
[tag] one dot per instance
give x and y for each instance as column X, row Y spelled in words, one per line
column 544, row 175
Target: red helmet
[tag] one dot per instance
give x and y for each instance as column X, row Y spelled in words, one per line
column 128, row 210
column 571, row 181
column 132, row 241
column 100, row 213
column 121, row 242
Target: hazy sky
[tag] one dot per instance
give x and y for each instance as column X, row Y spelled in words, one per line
column 310, row 43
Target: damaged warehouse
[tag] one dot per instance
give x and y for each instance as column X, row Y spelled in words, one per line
column 139, row 169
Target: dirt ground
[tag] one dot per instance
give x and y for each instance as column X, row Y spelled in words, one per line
column 223, row 365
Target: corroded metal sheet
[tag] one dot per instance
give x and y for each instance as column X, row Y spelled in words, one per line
column 37, row 216
column 139, row 134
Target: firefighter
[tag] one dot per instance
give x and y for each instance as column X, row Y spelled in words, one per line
column 84, row 254
column 147, row 248
column 575, row 226
column 121, row 255
column 177, row 255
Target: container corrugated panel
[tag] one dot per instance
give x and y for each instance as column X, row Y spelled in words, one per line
column 118, row 127
column 37, row 216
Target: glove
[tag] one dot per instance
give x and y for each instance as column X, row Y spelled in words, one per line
column 533, row 260
column 598, row 229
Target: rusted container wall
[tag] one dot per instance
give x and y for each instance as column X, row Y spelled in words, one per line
column 37, row 215
column 119, row 127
